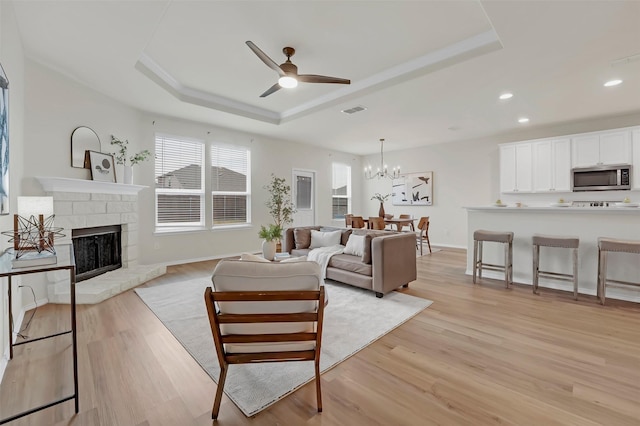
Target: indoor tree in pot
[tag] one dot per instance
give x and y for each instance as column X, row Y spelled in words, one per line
column 280, row 205
column 121, row 158
column 271, row 236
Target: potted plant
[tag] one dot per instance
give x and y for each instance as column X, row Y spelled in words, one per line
column 280, row 206
column 271, row 236
column 382, row 199
column 122, row 157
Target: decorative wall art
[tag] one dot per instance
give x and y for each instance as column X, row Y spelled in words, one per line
column 4, row 143
column 413, row 189
column 102, row 169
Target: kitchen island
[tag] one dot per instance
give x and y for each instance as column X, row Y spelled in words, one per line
column 586, row 223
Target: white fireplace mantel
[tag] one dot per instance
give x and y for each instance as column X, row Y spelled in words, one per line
column 57, row 184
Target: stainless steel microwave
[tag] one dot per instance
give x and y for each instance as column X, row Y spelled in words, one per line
column 602, row 178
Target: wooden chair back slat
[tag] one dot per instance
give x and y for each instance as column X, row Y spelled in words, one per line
column 280, row 298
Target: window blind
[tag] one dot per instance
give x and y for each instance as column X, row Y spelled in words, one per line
column 179, row 181
column 341, row 190
column 230, row 184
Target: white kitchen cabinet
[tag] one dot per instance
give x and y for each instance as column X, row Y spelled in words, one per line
column 552, row 165
column 635, row 172
column 515, row 168
column 601, row 148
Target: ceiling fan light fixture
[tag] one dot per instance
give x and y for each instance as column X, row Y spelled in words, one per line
column 612, row 83
column 287, row 82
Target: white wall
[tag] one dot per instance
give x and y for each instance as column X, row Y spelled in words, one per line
column 467, row 174
column 12, row 60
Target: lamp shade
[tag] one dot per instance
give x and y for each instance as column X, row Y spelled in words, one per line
column 34, row 206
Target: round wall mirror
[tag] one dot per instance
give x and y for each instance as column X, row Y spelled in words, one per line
column 83, row 139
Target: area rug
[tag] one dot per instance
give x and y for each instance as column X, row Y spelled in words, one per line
column 353, row 319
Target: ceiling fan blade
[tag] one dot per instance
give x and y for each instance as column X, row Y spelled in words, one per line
column 267, row 60
column 270, row 90
column 311, row 78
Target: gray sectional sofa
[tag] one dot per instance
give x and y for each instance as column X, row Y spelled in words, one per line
column 388, row 261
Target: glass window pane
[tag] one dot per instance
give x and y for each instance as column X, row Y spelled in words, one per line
column 179, row 169
column 340, row 207
column 179, row 209
column 341, row 189
column 303, row 192
column 229, row 209
column 230, row 184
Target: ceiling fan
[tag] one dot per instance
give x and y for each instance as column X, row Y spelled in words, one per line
column 288, row 72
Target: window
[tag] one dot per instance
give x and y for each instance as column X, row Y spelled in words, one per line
column 230, row 185
column 341, row 190
column 179, row 182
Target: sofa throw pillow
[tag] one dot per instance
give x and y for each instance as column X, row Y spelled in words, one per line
column 252, row 257
column 302, row 238
column 294, row 259
column 355, row 245
column 345, row 233
column 324, row 239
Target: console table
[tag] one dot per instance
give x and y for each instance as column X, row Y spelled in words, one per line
column 66, row 261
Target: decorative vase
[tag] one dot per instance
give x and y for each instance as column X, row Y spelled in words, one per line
column 381, row 211
column 128, row 175
column 269, row 249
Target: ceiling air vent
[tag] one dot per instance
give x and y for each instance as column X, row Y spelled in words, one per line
column 354, row 109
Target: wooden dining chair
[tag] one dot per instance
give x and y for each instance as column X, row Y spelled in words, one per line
column 357, row 222
column 376, row 223
column 422, row 233
column 347, row 220
column 265, row 312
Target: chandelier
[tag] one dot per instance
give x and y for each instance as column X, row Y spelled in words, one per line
column 383, row 171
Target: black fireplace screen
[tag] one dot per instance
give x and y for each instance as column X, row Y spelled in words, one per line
column 97, row 250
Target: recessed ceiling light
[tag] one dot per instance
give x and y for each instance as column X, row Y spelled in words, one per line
column 611, row 83
column 506, row 96
column 523, row 120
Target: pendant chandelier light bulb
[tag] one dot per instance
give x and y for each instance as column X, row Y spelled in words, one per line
column 383, row 170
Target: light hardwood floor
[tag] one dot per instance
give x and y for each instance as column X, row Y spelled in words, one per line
column 478, row 355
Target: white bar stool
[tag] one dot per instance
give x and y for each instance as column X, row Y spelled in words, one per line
column 506, row 238
column 559, row 242
column 606, row 245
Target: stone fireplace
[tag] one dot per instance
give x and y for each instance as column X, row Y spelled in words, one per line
column 80, row 204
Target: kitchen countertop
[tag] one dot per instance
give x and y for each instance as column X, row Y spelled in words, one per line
column 552, row 209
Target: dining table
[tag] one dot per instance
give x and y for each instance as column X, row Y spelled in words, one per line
column 400, row 223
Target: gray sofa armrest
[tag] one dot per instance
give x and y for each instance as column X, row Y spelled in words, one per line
column 393, row 258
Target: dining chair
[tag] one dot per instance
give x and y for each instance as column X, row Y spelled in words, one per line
column 347, row 220
column 357, row 222
column 265, row 312
column 422, row 233
column 376, row 223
